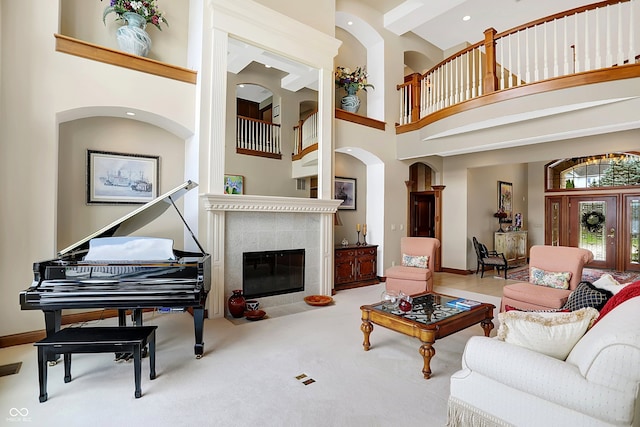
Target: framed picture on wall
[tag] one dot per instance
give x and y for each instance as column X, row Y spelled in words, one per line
column 505, row 200
column 119, row 178
column 345, row 190
column 233, row 184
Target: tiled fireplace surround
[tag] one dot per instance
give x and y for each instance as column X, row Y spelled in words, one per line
column 242, row 223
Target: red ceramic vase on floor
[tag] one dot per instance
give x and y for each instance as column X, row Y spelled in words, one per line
column 236, row 304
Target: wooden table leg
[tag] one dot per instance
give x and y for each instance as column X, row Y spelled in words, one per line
column 487, row 326
column 427, row 351
column 366, row 329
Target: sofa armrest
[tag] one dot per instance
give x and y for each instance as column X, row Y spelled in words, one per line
column 547, row 378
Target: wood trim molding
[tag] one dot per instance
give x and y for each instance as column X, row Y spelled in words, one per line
column 309, row 149
column 95, row 52
column 358, row 119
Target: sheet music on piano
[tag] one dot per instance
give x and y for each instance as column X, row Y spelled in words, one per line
column 111, row 270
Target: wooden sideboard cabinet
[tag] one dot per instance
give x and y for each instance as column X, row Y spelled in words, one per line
column 355, row 266
column 513, row 244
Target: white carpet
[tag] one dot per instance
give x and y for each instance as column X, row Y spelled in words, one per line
column 248, row 374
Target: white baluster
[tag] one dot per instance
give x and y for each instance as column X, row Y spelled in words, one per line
column 545, row 50
column 518, row 60
column 501, row 65
column 536, row 73
column 480, row 77
column 598, row 58
column 587, row 59
column 527, row 72
column 555, row 49
column 576, row 55
column 468, row 72
column 632, row 48
column 566, row 48
column 510, row 69
column 620, row 38
column 608, row 61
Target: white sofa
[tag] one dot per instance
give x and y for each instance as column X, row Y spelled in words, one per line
column 597, row 385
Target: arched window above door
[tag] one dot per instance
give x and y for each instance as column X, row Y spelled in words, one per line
column 605, row 170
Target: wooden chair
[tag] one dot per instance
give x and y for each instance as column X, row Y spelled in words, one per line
column 487, row 258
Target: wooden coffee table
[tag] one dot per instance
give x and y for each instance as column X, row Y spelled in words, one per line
column 429, row 320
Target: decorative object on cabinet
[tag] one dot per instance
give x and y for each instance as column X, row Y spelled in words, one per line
column 345, row 190
column 505, row 201
column 355, row 266
column 513, row 244
column 233, row 184
column 119, row 178
column 500, row 215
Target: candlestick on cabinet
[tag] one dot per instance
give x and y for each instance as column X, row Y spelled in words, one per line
column 358, row 242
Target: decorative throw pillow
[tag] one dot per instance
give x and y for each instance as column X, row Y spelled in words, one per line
column 608, row 283
column 632, row 290
column 420, row 261
column 587, row 295
column 553, row 334
column 551, row 279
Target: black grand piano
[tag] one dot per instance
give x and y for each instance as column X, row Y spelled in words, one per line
column 108, row 270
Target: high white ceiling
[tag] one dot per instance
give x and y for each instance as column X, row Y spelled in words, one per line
column 437, row 21
column 440, row 21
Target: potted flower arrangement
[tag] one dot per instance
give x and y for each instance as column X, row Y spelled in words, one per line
column 132, row 37
column 148, row 9
column 351, row 82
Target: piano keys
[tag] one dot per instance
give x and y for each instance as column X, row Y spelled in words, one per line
column 109, row 270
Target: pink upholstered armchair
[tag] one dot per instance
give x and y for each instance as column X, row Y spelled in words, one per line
column 415, row 274
column 549, row 261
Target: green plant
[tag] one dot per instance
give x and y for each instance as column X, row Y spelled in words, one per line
column 352, row 80
column 145, row 8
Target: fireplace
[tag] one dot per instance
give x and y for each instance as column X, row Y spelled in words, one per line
column 268, row 273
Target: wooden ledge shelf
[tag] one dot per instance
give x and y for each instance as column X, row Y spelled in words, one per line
column 357, row 118
column 95, row 52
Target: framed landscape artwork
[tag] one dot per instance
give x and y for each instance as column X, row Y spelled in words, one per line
column 505, row 200
column 345, row 190
column 119, row 178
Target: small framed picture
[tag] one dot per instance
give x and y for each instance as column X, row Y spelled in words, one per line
column 345, row 190
column 119, row 178
column 233, row 184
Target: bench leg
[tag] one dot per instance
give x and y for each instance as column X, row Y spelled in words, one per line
column 42, row 373
column 67, row 367
column 137, row 370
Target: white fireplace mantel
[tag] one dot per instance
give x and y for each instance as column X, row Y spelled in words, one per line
column 248, row 203
column 219, row 206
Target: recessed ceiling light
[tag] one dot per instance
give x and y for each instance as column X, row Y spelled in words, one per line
column 466, row 18
column 350, row 23
column 267, row 66
column 241, row 85
column 130, row 113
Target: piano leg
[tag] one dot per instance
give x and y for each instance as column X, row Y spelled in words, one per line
column 122, row 317
column 198, row 323
column 52, row 322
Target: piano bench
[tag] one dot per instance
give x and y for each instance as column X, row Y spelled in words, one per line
column 97, row 340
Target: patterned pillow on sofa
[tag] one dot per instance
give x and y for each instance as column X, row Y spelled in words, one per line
column 587, row 295
column 551, row 279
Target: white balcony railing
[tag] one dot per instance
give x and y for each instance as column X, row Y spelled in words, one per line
column 305, row 133
column 598, row 36
column 257, row 136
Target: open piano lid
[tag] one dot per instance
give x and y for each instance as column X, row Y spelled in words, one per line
column 137, row 219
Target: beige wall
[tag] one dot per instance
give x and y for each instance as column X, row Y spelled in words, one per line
column 350, row 167
column 77, row 219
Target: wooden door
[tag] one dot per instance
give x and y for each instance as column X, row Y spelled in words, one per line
column 630, row 232
column 423, row 214
column 593, row 225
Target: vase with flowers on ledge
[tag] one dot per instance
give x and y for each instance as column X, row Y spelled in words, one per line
column 351, row 82
column 132, row 37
